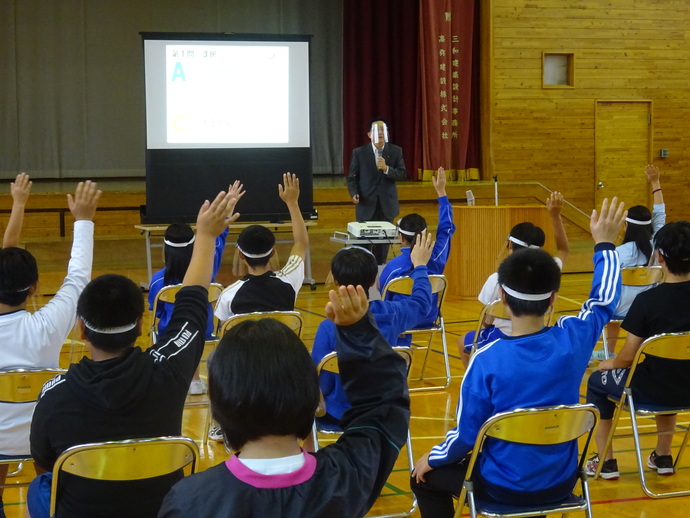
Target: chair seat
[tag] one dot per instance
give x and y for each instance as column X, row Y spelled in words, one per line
column 491, row 508
column 327, row 427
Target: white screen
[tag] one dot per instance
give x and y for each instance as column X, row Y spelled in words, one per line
column 226, row 94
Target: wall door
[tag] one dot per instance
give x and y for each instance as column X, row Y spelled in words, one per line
column 623, row 144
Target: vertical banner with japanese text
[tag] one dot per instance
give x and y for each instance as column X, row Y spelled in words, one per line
column 448, row 45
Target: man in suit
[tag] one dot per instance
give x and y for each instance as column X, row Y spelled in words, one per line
column 374, row 169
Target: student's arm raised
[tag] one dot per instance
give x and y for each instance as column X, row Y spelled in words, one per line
column 212, row 219
column 20, row 190
column 289, row 193
column 554, row 204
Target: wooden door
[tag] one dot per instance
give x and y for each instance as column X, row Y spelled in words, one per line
column 623, row 146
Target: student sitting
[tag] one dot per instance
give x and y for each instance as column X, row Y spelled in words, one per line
column 536, row 366
column 357, row 266
column 177, row 252
column 263, row 289
column 662, row 309
column 264, row 392
column 523, row 235
column 636, row 250
column 123, row 392
column 409, row 227
column 33, row 340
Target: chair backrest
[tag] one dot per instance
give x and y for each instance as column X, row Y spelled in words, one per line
column 672, row 346
column 497, row 309
column 538, row 426
column 167, row 295
column 24, row 385
column 134, row 459
column 329, row 363
column 642, row 276
column 403, row 286
column 292, row 319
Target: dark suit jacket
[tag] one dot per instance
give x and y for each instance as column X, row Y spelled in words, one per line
column 372, row 184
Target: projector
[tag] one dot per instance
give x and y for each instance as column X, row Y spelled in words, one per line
column 372, row 229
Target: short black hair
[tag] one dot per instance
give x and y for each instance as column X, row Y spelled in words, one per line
column 18, row 272
column 641, row 235
column 111, row 301
column 529, row 271
column 256, row 239
column 529, row 233
column 262, row 381
column 177, row 259
column 411, row 223
column 354, row 266
column 673, row 242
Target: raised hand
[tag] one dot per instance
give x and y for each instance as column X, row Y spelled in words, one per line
column 554, row 204
column 651, row 172
column 289, row 189
column 421, row 252
column 236, row 190
column 347, row 305
column 214, row 216
column 85, row 200
column 20, row 189
column 439, row 180
column 606, row 224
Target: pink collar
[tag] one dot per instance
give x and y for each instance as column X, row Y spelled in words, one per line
column 258, row 480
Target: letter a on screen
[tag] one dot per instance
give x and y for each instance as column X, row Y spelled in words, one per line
column 178, row 72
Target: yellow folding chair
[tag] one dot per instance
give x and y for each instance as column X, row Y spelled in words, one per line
column 439, row 283
column 671, row 346
column 639, row 277
column 23, row 386
column 537, row 426
column 167, row 295
column 292, row 319
column 497, row 309
column 135, row 459
column 329, row 363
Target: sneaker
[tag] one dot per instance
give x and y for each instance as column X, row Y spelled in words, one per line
column 609, row 471
column 197, row 387
column 598, row 355
column 663, row 464
column 216, row 434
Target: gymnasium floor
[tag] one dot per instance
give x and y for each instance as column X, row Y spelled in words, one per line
column 433, row 413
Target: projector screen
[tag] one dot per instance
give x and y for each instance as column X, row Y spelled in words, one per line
column 211, row 94
column 221, row 108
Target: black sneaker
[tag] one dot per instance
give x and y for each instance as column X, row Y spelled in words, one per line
column 663, row 464
column 609, row 471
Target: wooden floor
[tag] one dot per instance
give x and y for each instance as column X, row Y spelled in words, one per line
column 433, row 413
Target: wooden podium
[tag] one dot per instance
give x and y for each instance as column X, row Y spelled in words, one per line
column 480, row 236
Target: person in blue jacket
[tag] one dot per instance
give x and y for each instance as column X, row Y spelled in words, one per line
column 357, row 266
column 409, row 227
column 535, row 367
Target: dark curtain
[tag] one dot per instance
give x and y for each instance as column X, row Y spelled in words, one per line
column 380, row 73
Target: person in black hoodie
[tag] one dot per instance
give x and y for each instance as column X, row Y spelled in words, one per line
column 122, row 392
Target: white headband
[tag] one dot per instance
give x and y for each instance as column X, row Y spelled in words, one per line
column 375, row 132
column 526, row 296
column 179, row 245
column 521, row 243
column 17, row 291
column 664, row 254
column 407, row 232
column 255, row 256
column 359, row 248
column 110, row 330
column 638, row 222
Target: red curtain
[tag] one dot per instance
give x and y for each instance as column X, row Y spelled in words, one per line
column 380, row 73
column 449, row 57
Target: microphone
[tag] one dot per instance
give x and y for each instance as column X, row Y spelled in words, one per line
column 379, row 154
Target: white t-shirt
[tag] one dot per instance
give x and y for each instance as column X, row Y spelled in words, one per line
column 34, row 340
